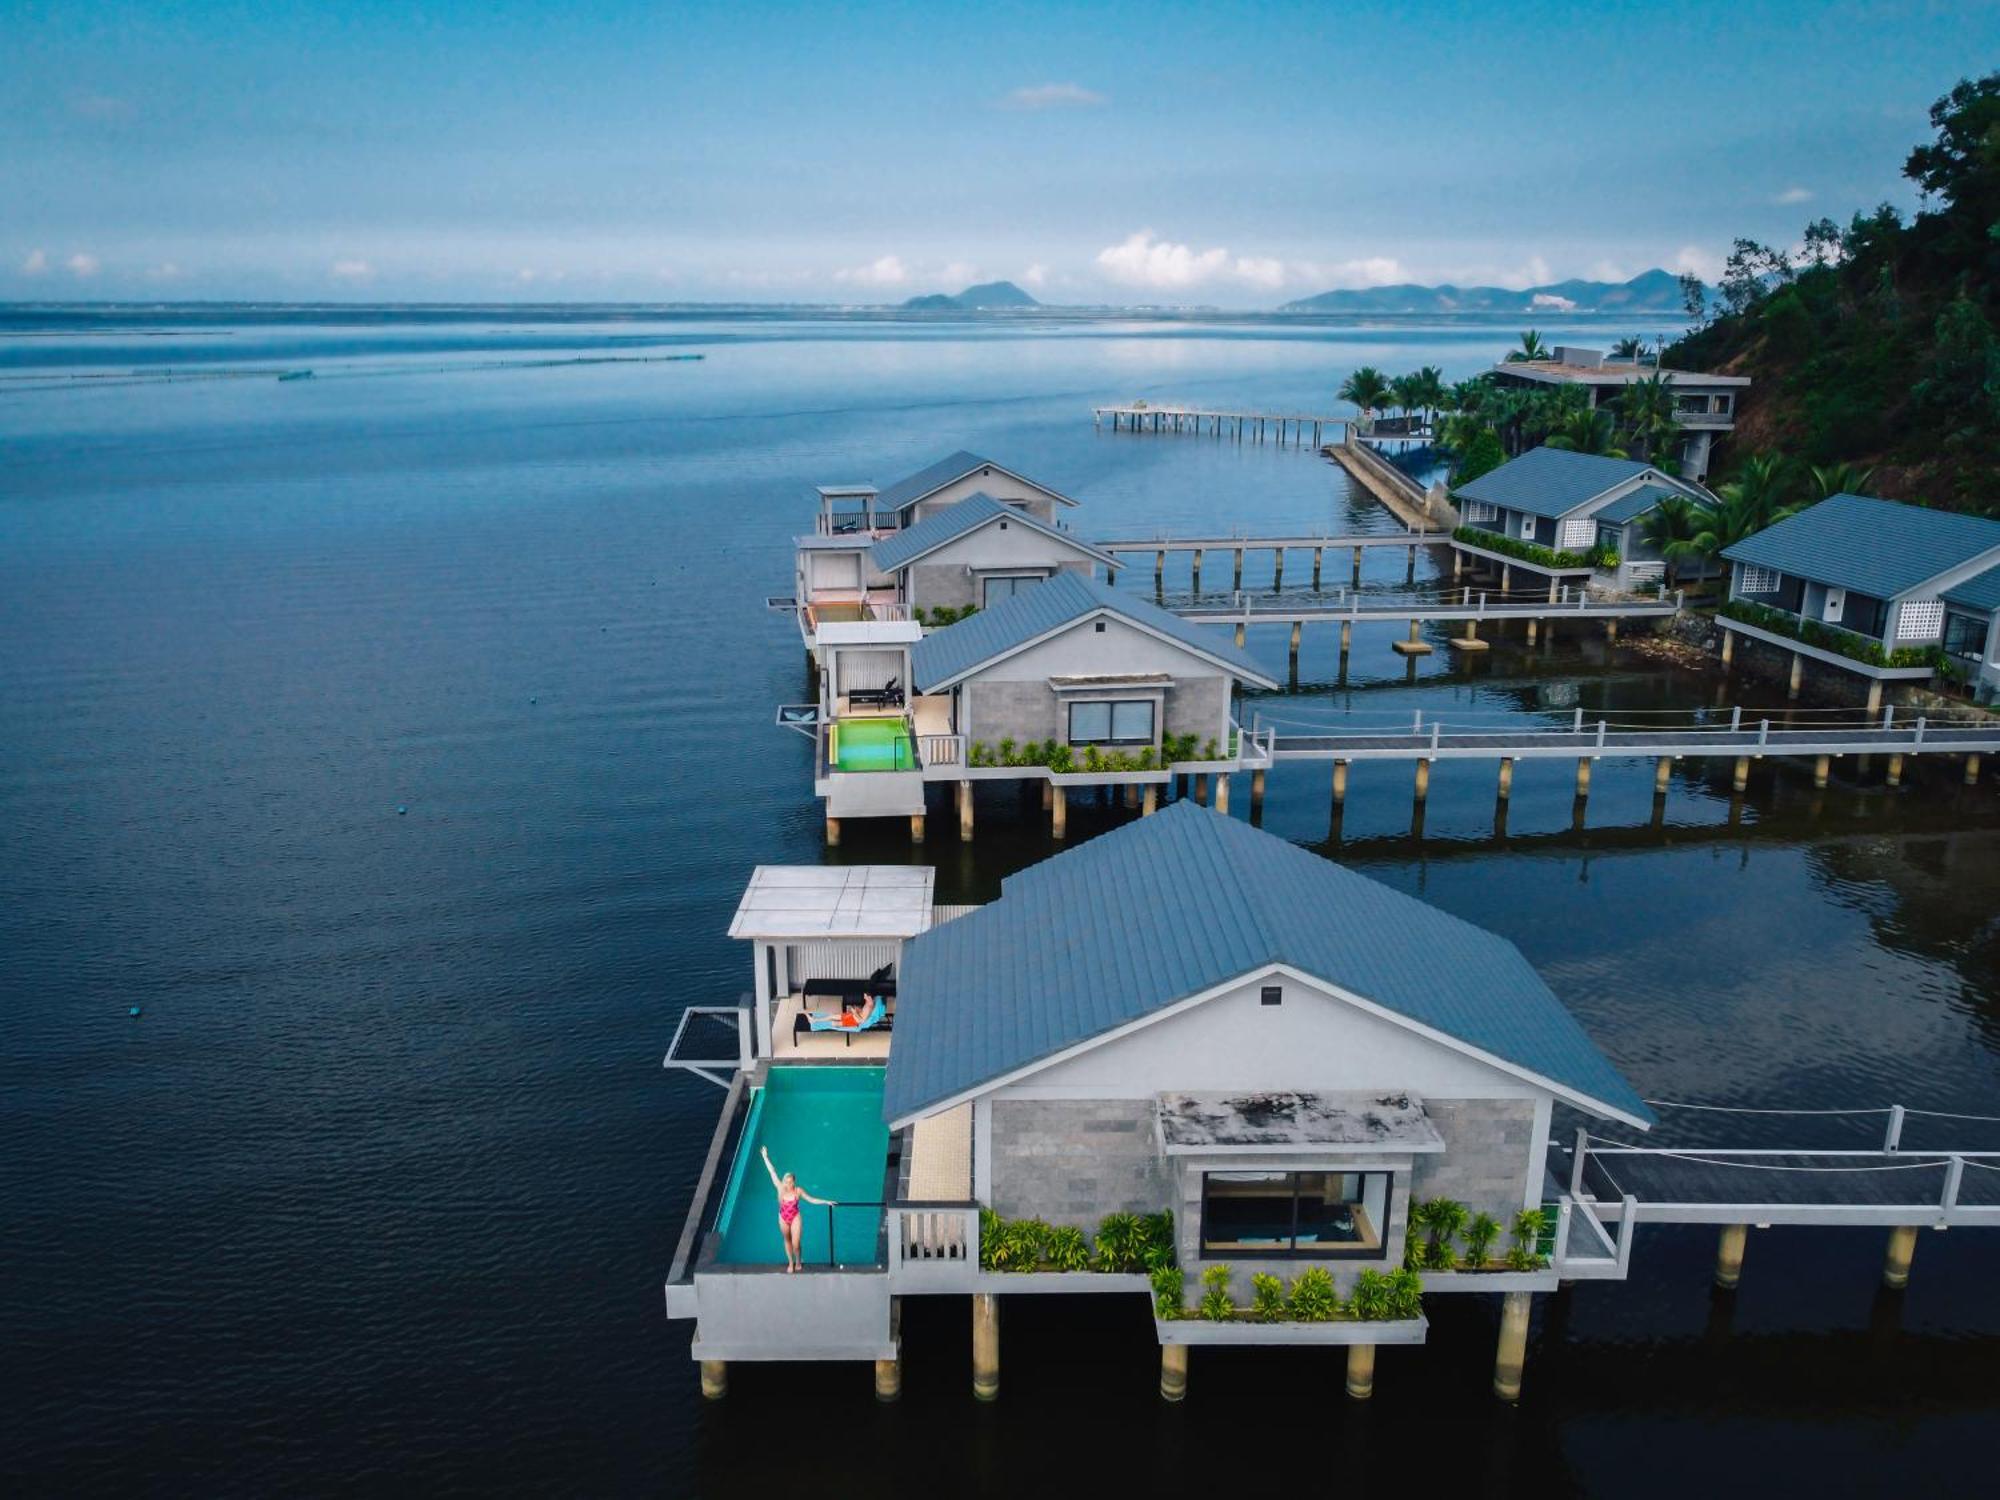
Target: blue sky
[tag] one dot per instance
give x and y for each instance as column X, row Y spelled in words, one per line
column 1239, row 155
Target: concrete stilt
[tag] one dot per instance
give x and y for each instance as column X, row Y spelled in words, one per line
column 1173, row 1372
column 965, row 811
column 1661, row 773
column 1278, row 573
column 1048, row 795
column 888, row 1379
column 1360, row 1371
column 1237, row 582
column 1729, row 1255
column 916, row 828
column 1875, row 696
column 1149, row 802
column 1728, row 647
column 1346, row 636
column 1357, row 567
column 1512, row 1353
column 1972, row 770
column 832, row 832
column 1534, row 627
column 1583, row 776
column 1297, row 628
column 1059, row 812
column 1506, row 777
column 1416, row 645
column 714, row 1379
column 1895, row 776
column 1798, row 675
column 1239, row 635
column 1197, row 570
column 1201, row 787
column 1423, row 779
column 1131, row 794
column 1318, row 554
column 1222, row 793
column 1256, row 791
column 1821, row 768
column 1742, row 777
column 985, row 1345
column 1339, row 782
column 1896, row 1265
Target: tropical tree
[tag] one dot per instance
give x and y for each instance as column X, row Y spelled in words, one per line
column 1672, row 528
column 1646, row 410
column 1406, row 392
column 1630, row 347
column 1367, row 388
column 1481, row 454
column 1531, row 348
column 1431, row 392
column 1587, row 431
column 1758, row 497
column 1843, row 478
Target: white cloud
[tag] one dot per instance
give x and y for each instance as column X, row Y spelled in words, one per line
column 1052, row 96
column 352, row 270
column 1373, row 270
column 1794, row 195
column 889, row 270
column 1143, row 260
column 959, row 273
column 1260, row 271
column 1609, row 270
column 81, row 264
column 36, row 264
column 1036, row 276
column 1703, row 263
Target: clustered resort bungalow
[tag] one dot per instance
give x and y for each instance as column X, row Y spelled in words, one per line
column 974, row 640
column 1874, row 589
column 1185, row 1017
column 1572, row 518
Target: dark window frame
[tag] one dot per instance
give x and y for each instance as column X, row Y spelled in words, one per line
column 1290, row 1251
column 1111, row 707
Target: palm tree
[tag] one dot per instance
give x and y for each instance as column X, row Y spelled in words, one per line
column 1758, row 497
column 1531, row 348
column 1408, row 394
column 1629, row 348
column 1367, row 388
column 1431, row 392
column 1647, row 409
column 1587, row 431
column 1673, row 528
column 1843, row 478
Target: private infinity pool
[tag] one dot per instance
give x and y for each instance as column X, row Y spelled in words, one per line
column 825, row 1125
column 872, row 745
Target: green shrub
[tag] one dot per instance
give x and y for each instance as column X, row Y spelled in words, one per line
column 1007, row 750
column 1215, row 1304
column 1405, row 1295
column 1066, row 1249
column 1169, row 1293
column 1314, row 1299
column 1441, row 1219
column 1120, row 1243
column 989, row 1238
column 1373, row 1296
column 1534, row 552
column 1267, row 1298
column 1529, row 1227
column 1157, row 1239
column 1019, row 1245
column 1480, row 1233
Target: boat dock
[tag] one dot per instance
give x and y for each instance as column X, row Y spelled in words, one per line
column 1282, row 427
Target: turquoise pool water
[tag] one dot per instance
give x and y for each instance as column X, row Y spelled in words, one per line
column 873, row 745
column 825, row 1124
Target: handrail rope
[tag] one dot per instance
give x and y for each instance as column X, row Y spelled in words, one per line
column 1754, row 1166
column 1742, row 1109
column 1984, row 1166
column 1939, row 1114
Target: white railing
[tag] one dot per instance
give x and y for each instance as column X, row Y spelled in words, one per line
column 1640, row 571
column 879, row 609
column 934, row 1242
column 941, row 749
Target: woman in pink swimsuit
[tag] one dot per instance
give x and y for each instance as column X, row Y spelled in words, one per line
column 790, row 1195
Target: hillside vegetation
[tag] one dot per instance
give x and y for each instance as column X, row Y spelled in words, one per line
column 1874, row 345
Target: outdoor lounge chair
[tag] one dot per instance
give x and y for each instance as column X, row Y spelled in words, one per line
column 877, row 1019
column 849, row 991
column 889, row 695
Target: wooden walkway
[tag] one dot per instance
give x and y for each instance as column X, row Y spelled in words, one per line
column 1283, row 427
column 1353, row 607
column 1586, row 740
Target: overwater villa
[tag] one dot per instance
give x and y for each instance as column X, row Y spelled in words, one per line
column 1047, row 675
column 1873, row 589
column 1578, row 517
column 1186, row 1020
column 1704, row 403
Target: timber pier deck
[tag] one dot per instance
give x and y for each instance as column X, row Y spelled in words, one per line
column 1282, row 427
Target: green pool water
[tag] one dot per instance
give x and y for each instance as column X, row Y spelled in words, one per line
column 873, row 745
column 823, row 1124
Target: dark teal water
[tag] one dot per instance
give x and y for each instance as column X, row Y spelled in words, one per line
column 399, row 741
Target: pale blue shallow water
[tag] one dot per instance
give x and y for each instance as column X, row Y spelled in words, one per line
column 825, row 1126
column 399, row 740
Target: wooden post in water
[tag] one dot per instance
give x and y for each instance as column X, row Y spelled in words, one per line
column 1149, row 802
column 1237, row 582
column 1728, row 646
column 1896, row 1264
column 1512, row 1355
column 1197, row 570
column 1059, row 812
column 1339, row 782
column 833, row 833
column 1160, row 571
column 1222, row 792
column 1972, row 769
column 1256, row 792
column 1506, row 777
column 1297, row 627
column 916, row 828
column 714, row 1379
column 985, row 1345
column 1742, row 777
column 1729, row 1255
column 1346, row 636
column 1582, row 776
column 1895, row 776
column 1357, row 567
column 1661, row 773
column 1278, row 572
column 1173, row 1372
column 1423, row 778
column 1360, row 1371
column 1820, row 769
column 1318, row 553
column 965, row 811
column 1798, row 675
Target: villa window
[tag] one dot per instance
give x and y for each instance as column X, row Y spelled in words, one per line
column 1007, row 586
column 1294, row 1213
column 1965, row 635
column 1112, row 722
column 1921, row 620
column 1759, row 580
column 1480, row 510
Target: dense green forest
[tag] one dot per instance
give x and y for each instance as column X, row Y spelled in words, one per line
column 1874, row 345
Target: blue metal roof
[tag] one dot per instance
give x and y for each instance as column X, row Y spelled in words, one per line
column 928, row 480
column 1182, row 902
column 957, row 519
column 1981, row 591
column 1878, row 547
column 1550, row 481
column 944, row 655
column 1629, row 507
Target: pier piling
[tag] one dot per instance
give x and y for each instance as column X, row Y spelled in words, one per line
column 916, row 828
column 1149, row 803
column 1728, row 646
column 1972, row 770
column 1822, row 767
column 1661, row 773
column 1173, row 1372
column 833, row 833
column 985, row 1346
column 1582, row 777
column 1360, row 1371
column 1512, row 1354
column 1423, row 779
column 1201, row 788
column 888, row 1379
column 1742, row 777
column 1797, row 677
column 1339, row 782
column 1256, row 793
column 1896, row 1265
column 714, row 1379
column 1318, row 553
column 1729, row 1255
column 1895, row 776
column 1197, row 570
column 1237, row 584
column 1506, row 777
column 965, row 811
column 1222, row 792
column 1059, row 812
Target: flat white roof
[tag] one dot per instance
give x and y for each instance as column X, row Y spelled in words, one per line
column 868, row 633
column 801, row 902
column 1287, row 1122
column 1611, row 372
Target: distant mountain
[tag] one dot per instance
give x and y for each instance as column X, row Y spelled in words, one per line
column 986, row 294
column 1654, row 291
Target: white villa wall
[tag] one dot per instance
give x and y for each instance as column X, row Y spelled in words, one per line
column 1038, row 501
column 1932, row 590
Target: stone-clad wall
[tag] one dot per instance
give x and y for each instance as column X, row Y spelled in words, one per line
column 1486, row 1161
column 1074, row 1161
column 1028, row 711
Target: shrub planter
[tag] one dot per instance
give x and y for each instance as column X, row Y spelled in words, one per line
column 1334, row 1331
column 1063, row 1281
column 1545, row 1280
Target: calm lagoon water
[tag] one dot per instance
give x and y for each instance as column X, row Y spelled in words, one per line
column 399, row 741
